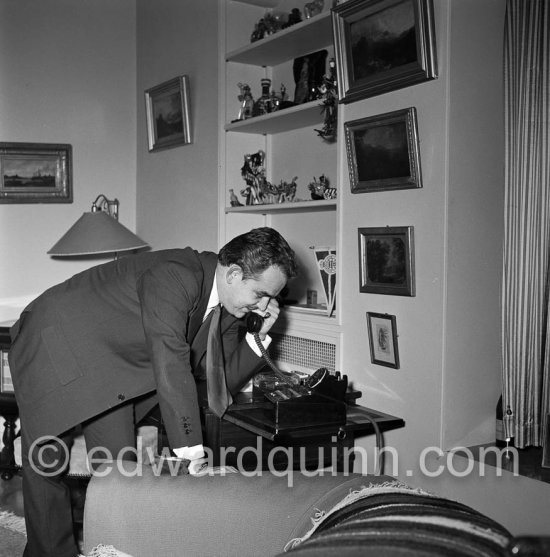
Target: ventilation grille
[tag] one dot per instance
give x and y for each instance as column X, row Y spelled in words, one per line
column 303, row 353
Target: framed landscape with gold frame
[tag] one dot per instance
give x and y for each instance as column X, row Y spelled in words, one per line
column 168, row 121
column 383, row 152
column 383, row 45
column 35, row 173
column 386, row 260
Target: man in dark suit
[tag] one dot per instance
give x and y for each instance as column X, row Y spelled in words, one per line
column 105, row 346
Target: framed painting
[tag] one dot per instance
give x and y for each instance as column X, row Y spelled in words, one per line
column 386, row 260
column 383, row 152
column 167, row 106
column 35, row 173
column 383, row 339
column 383, row 45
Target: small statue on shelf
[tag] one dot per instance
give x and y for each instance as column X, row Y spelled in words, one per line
column 246, row 100
column 287, row 190
column 329, row 91
column 233, row 199
column 267, row 25
column 294, row 17
column 320, row 189
column 264, row 104
column 253, row 173
column 313, row 8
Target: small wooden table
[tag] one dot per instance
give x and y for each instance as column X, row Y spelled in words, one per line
column 240, row 439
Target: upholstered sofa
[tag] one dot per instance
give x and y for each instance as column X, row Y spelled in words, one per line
column 144, row 513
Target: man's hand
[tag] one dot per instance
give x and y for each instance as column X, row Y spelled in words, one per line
column 200, row 467
column 170, row 466
column 270, row 315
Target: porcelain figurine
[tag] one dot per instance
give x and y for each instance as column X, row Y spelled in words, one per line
column 313, row 8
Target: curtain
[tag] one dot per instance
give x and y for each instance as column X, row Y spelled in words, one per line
column 526, row 261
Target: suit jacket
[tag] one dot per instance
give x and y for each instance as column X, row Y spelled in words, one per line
column 117, row 332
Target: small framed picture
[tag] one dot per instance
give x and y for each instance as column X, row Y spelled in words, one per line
column 167, row 106
column 6, row 383
column 383, row 45
column 383, row 152
column 386, row 260
column 35, row 173
column 383, row 339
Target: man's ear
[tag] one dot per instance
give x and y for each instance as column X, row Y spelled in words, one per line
column 234, row 272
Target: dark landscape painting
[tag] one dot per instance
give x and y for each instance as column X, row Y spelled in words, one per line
column 29, row 173
column 382, row 152
column 383, row 40
column 168, row 115
column 386, row 260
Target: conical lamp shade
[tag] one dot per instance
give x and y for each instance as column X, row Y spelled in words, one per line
column 95, row 233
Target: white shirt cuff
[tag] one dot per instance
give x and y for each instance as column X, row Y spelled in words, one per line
column 252, row 343
column 190, row 453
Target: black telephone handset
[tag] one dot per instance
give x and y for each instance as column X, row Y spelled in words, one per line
column 254, row 322
column 322, row 381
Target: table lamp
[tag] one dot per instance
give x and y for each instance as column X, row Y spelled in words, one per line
column 97, row 232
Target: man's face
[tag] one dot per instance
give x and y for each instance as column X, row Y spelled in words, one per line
column 240, row 296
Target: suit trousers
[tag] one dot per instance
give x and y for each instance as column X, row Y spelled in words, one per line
column 45, row 461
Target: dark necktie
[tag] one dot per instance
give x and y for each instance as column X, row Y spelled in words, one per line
column 219, row 397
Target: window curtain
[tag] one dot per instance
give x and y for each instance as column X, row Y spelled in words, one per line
column 526, row 265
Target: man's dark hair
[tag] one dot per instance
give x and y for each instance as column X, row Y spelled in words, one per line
column 257, row 250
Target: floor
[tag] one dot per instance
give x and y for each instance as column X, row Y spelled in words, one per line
column 11, row 499
column 529, row 464
column 11, row 495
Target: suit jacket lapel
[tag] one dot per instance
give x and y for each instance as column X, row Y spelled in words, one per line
column 226, row 320
column 198, row 347
column 197, row 316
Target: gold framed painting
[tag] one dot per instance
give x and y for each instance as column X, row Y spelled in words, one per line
column 35, row 173
column 168, row 120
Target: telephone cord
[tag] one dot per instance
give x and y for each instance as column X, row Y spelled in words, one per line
column 269, row 361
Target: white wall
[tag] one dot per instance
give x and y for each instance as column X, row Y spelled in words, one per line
column 447, row 386
column 177, row 188
column 67, row 75
column 414, row 392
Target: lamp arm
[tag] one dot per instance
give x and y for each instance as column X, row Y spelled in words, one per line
column 110, row 206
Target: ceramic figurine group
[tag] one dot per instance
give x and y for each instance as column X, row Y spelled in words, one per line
column 269, row 101
column 320, row 189
column 259, row 191
column 271, row 23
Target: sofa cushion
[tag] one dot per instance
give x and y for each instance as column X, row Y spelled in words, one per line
column 336, row 497
column 395, row 522
column 239, row 514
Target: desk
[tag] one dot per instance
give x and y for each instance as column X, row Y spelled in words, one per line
column 10, row 413
column 255, row 447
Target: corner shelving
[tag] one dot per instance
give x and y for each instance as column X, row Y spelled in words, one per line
column 299, row 116
column 291, row 150
column 287, row 207
column 299, row 39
